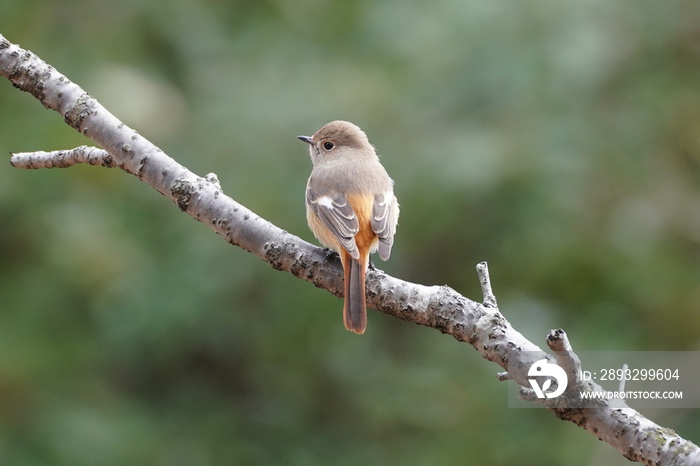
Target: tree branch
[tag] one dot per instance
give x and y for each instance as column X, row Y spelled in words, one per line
column 439, row 307
column 62, row 158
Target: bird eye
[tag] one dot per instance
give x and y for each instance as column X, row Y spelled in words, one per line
column 328, row 145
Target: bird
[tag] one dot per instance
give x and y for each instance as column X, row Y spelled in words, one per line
column 350, row 207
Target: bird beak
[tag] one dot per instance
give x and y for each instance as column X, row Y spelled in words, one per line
column 306, row 139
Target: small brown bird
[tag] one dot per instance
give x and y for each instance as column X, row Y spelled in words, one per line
column 350, row 207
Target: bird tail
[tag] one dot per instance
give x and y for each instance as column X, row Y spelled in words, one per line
column 355, row 307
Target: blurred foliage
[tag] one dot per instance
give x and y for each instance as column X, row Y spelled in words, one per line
column 557, row 139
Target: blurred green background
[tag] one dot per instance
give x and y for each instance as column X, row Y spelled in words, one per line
column 557, row 139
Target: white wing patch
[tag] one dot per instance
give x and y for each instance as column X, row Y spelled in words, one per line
column 325, row 201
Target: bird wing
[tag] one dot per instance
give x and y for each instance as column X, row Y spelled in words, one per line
column 385, row 213
column 337, row 215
